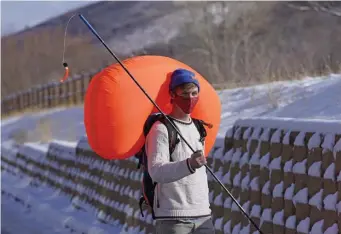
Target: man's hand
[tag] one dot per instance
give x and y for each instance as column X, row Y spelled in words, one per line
column 197, row 160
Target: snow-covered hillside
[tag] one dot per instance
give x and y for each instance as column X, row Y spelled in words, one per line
column 310, row 98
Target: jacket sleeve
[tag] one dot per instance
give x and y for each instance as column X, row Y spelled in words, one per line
column 160, row 168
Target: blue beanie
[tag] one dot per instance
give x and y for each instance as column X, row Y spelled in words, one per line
column 181, row 76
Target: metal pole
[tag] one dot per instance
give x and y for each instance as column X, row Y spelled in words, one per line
column 150, row 99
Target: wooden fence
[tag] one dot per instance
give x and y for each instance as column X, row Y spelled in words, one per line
column 53, row 94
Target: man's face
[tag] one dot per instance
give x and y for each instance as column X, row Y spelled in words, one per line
column 187, row 92
column 185, row 97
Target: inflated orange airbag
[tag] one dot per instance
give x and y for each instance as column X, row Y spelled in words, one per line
column 115, row 108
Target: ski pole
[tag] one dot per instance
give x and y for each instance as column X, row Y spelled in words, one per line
column 131, row 76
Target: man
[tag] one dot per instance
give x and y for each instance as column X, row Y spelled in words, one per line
column 181, row 202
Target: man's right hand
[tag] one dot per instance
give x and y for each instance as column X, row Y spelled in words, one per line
column 197, row 160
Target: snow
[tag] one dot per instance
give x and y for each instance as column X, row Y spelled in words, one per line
column 300, row 167
column 237, row 133
column 218, row 223
column 279, row 218
column 330, row 172
column 227, row 178
column 316, row 200
column 332, row 229
column 55, row 208
column 288, row 166
column 228, row 202
column 211, row 196
column 290, row 223
column 227, row 227
column 218, row 154
column 236, row 228
column 244, row 159
column 328, row 142
column 245, row 182
column 337, row 148
column 278, row 190
column 339, row 207
column 276, row 137
column 266, row 216
column 315, row 169
column 246, row 206
column 318, row 227
column 234, row 206
column 237, row 179
column 330, row 201
column 218, row 201
column 245, row 230
column 229, row 133
column 65, row 143
column 264, row 161
column 256, row 132
column 219, row 173
column 228, row 156
column 294, row 124
column 307, row 105
column 247, row 133
column 314, row 141
column 286, row 139
column 303, row 226
column 266, row 188
column 255, row 184
column 236, row 156
column 256, row 211
column 275, row 164
column 301, row 196
column 265, row 135
column 299, row 140
column 289, row 192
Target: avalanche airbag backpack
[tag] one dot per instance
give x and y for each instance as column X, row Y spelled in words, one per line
column 148, row 185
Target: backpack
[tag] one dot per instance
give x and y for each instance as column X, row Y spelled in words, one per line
column 148, row 186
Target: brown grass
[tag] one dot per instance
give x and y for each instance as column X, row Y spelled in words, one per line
column 35, row 58
column 43, row 130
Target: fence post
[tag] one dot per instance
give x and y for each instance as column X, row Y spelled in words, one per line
column 18, row 101
column 54, row 96
column 4, row 107
column 49, row 95
column 48, row 89
column 83, row 87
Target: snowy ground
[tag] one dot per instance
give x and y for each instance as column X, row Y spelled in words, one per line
column 43, row 210
column 311, row 98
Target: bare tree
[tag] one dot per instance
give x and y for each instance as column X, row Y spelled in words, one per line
column 330, row 7
column 258, row 42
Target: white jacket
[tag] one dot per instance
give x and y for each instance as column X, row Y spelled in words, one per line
column 180, row 192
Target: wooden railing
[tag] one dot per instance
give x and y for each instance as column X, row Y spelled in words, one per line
column 53, row 94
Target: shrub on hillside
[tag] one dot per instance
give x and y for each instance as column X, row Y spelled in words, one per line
column 251, row 42
column 35, row 57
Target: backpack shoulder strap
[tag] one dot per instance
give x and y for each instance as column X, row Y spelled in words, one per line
column 172, row 135
column 200, row 126
column 146, row 128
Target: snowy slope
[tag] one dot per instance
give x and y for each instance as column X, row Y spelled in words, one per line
column 311, row 98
